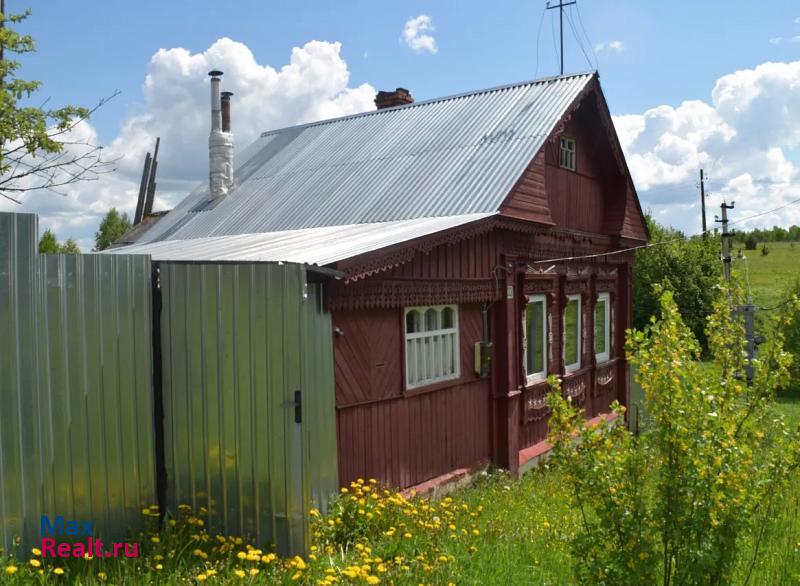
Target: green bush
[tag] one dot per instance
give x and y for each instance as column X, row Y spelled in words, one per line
column 679, row 503
column 791, row 331
column 691, row 268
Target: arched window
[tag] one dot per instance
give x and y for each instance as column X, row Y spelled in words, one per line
column 432, row 348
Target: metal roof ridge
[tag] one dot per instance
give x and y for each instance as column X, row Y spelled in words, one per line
column 542, row 80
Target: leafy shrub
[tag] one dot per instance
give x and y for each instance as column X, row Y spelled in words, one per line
column 751, row 243
column 690, row 267
column 677, row 504
column 791, row 331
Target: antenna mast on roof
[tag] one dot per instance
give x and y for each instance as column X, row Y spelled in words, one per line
column 561, row 4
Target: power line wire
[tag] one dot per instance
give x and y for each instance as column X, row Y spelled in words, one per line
column 758, row 215
column 538, row 36
column 580, row 42
column 588, row 40
column 553, row 31
column 619, row 251
column 652, row 244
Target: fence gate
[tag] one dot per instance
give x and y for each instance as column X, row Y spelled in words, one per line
column 247, row 385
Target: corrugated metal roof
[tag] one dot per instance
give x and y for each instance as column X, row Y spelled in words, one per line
column 447, row 157
column 316, row 246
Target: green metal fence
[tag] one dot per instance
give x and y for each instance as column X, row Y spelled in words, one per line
column 249, row 414
column 76, row 425
column 245, row 357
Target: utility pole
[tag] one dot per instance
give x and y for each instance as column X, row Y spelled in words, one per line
column 703, row 201
column 748, row 310
column 560, row 7
column 726, row 241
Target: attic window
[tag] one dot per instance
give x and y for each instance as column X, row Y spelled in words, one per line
column 567, row 154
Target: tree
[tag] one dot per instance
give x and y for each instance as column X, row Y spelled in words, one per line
column 751, row 243
column 40, row 148
column 70, row 247
column 688, row 501
column 113, row 226
column 690, row 267
column 49, row 244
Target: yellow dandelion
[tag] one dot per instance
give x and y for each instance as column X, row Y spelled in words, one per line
column 159, row 567
column 254, row 571
column 36, row 551
column 241, row 555
column 102, row 576
column 239, row 573
column 201, row 577
column 35, row 563
column 373, row 580
column 11, row 570
column 155, row 539
column 58, row 571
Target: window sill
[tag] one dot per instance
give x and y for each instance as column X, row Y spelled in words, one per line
column 440, row 386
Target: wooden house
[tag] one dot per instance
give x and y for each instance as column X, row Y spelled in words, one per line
column 469, row 247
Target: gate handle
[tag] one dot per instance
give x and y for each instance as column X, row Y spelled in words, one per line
column 298, row 406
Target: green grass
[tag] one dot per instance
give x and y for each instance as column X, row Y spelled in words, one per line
column 770, row 276
column 525, row 528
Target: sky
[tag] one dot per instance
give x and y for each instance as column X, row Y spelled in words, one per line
column 713, row 85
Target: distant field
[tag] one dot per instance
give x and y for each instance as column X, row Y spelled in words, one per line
column 770, row 276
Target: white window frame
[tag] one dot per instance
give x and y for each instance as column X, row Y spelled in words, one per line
column 579, row 342
column 567, row 157
column 533, row 377
column 606, row 299
column 438, row 338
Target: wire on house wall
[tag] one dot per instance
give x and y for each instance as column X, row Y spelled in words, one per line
column 663, row 242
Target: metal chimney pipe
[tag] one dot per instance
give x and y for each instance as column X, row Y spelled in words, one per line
column 220, row 143
column 226, row 111
column 216, row 118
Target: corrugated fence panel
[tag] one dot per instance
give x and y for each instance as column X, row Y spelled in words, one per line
column 237, row 342
column 76, row 424
column 20, row 446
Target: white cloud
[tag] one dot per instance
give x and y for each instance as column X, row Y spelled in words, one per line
column 313, row 85
column 796, row 39
column 415, row 34
column 612, row 47
column 776, row 40
column 797, row 20
column 745, row 137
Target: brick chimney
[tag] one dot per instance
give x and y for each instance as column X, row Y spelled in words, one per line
column 398, row 97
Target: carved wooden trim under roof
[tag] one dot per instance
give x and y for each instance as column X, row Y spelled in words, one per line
column 389, row 293
column 539, row 243
column 538, row 285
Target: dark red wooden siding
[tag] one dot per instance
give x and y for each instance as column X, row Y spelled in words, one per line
column 404, row 438
column 407, row 437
